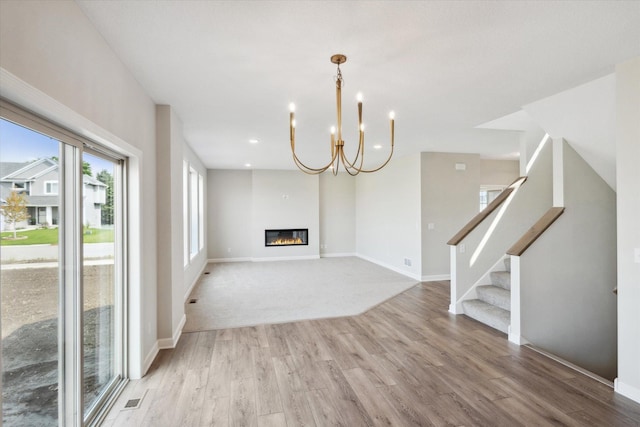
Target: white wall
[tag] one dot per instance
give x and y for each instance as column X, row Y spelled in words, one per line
column 56, row 64
column 229, row 214
column 567, row 276
column 388, row 219
column 337, row 214
column 628, row 212
column 285, row 199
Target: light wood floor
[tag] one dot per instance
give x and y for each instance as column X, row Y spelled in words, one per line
column 405, row 362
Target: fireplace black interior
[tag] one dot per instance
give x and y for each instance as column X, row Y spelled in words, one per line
column 286, row 237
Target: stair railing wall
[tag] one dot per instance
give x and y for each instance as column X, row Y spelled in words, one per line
column 480, row 249
column 561, row 299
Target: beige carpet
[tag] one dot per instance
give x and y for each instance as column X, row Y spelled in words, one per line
column 255, row 293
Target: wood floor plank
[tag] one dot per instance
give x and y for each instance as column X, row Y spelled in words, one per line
column 272, row 420
column 294, row 402
column 351, row 409
column 189, row 406
column 215, row 412
column 379, row 410
column 268, row 393
column 242, row 403
column 220, row 370
column 204, row 349
column 276, row 339
column 406, row 362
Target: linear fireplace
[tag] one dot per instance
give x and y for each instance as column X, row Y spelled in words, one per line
column 286, row 237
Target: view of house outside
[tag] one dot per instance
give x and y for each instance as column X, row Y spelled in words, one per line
column 30, row 197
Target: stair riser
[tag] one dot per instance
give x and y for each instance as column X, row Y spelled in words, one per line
column 499, row 299
column 490, row 316
column 502, row 279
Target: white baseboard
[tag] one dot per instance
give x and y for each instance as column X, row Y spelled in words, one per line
column 285, row 258
column 195, row 281
column 517, row 339
column 165, row 343
column 390, row 267
column 219, row 260
column 436, row 277
column 456, row 308
column 337, row 255
column 151, row 356
column 626, row 390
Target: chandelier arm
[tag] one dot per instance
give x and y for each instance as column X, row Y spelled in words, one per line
column 381, row 166
column 307, row 169
column 351, row 170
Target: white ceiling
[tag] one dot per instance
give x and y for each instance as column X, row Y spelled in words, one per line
column 230, row 68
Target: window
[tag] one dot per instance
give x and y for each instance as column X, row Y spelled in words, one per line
column 51, row 187
column 193, row 211
column 488, row 193
column 185, row 211
column 201, row 211
column 194, row 232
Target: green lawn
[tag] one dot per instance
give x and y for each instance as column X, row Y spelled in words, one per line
column 50, row 237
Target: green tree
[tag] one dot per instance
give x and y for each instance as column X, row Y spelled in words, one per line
column 86, row 167
column 107, row 209
column 15, row 210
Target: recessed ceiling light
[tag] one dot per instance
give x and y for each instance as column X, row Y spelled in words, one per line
column 253, row 141
column 247, row 165
column 377, row 146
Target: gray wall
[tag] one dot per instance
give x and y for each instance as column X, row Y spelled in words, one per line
column 568, row 275
column 337, row 214
column 450, row 198
column 229, row 214
column 628, row 210
column 388, row 215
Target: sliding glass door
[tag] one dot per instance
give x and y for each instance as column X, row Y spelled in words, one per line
column 62, row 274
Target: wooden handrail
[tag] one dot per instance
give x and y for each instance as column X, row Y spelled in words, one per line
column 534, row 232
column 476, row 220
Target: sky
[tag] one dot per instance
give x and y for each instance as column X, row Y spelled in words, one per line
column 19, row 144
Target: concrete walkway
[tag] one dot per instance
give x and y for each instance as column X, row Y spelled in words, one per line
column 52, row 264
column 16, row 254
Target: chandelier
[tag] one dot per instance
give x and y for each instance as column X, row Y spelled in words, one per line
column 337, row 144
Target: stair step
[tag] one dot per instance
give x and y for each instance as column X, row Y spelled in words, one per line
column 501, row 278
column 495, row 295
column 507, row 264
column 488, row 314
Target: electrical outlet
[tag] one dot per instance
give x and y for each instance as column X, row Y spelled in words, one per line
column 407, row 262
column 461, row 248
column 431, row 226
column 229, row 250
column 636, row 255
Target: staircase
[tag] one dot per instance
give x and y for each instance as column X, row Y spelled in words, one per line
column 493, row 306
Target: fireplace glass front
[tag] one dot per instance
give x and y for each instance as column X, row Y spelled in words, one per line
column 286, row 237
